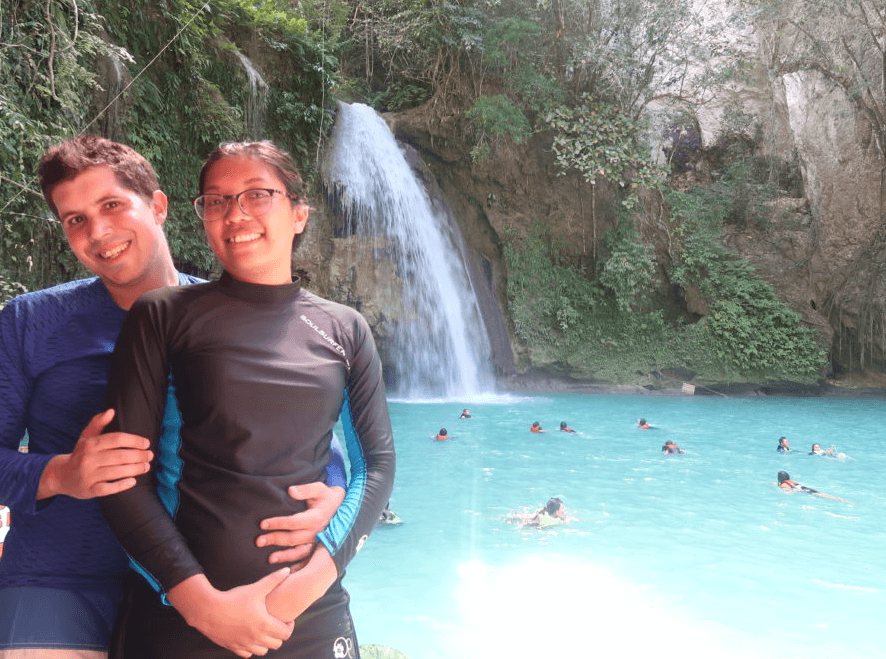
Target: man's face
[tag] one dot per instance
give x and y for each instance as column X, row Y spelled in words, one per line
column 113, row 231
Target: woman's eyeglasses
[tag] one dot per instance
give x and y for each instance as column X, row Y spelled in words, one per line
column 214, row 207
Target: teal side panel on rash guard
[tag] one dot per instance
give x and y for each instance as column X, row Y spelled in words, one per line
column 168, row 472
column 343, row 520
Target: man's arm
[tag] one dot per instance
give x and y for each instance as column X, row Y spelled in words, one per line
column 99, row 465
column 298, row 532
column 19, row 472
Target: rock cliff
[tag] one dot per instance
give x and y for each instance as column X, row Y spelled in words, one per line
column 823, row 249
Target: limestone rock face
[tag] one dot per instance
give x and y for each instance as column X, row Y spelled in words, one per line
column 823, row 250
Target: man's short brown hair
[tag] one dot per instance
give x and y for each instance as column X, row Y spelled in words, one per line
column 66, row 160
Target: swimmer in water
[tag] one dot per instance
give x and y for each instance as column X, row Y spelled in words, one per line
column 388, row 517
column 442, row 436
column 831, row 452
column 785, row 483
column 535, row 427
column 466, row 414
column 784, row 446
column 565, row 428
column 553, row 514
column 670, row 448
column 643, row 425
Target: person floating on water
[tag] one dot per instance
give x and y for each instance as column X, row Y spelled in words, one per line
column 785, row 483
column 442, row 436
column 565, row 428
column 830, row 452
column 784, row 446
column 466, row 414
column 388, row 517
column 553, row 514
column 670, row 448
column 643, row 425
column 535, row 427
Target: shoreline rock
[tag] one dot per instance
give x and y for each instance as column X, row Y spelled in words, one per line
column 541, row 383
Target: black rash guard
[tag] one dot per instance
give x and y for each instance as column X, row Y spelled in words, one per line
column 261, row 375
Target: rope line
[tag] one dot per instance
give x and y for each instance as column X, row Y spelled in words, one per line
column 146, row 67
column 697, row 386
column 25, row 188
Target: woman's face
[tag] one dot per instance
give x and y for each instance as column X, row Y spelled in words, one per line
column 254, row 249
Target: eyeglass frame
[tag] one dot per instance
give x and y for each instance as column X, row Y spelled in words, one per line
column 228, row 197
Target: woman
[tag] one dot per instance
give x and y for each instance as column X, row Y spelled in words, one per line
column 261, row 371
column 553, row 513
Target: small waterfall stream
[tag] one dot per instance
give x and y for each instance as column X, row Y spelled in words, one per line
column 257, row 101
column 441, row 346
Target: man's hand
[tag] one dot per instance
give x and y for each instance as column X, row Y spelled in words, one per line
column 298, row 532
column 99, row 465
column 235, row 619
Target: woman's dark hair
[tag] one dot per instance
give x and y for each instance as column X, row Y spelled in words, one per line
column 553, row 505
column 264, row 151
column 442, row 431
column 783, row 476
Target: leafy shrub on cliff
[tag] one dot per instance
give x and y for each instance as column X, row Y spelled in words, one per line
column 566, row 320
column 629, row 270
column 494, row 120
column 598, row 139
column 753, row 332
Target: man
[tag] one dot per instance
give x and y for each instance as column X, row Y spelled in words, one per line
column 61, row 576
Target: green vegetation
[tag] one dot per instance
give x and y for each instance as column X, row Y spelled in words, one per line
column 496, row 120
column 582, row 326
column 581, row 75
column 182, row 91
column 750, row 329
column 600, row 141
column 608, row 329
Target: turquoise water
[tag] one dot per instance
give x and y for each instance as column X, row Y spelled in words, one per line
column 675, row 556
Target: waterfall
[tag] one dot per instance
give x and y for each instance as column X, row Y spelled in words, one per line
column 255, row 104
column 114, row 76
column 439, row 346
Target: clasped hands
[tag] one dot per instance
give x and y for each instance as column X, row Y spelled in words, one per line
column 248, row 620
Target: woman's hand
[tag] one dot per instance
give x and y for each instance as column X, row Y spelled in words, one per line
column 301, row 589
column 236, row 619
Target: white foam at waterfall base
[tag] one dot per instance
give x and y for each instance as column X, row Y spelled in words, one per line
column 441, row 347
